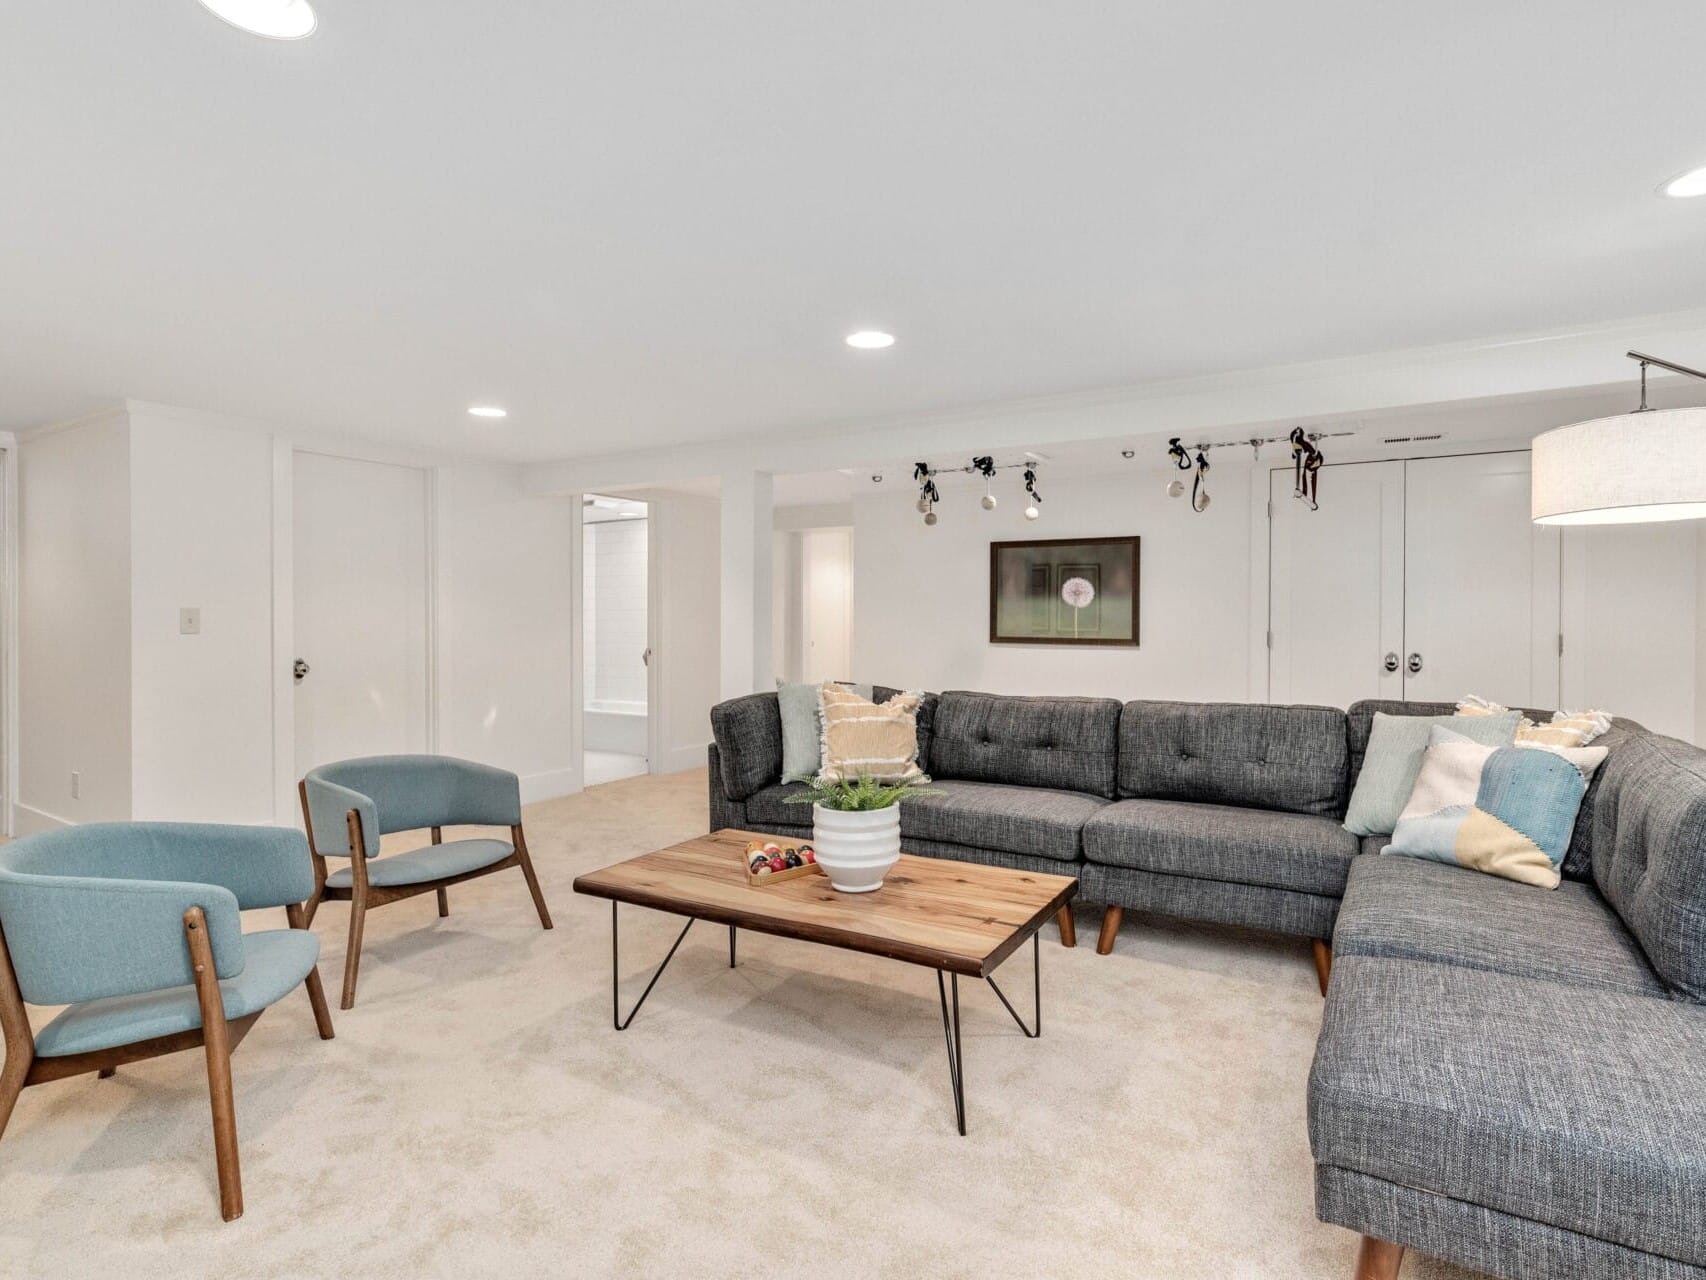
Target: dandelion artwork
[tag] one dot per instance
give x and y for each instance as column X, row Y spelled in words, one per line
column 1078, row 593
column 1064, row 591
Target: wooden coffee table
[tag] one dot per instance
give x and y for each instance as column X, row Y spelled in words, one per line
column 958, row 918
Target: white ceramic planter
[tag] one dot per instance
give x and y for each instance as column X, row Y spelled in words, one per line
column 856, row 850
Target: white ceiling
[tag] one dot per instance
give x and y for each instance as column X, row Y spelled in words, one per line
column 649, row 224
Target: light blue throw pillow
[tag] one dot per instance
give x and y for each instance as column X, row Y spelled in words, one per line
column 1396, row 745
column 802, row 728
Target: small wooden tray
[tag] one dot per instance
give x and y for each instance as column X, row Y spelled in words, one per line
column 777, row 877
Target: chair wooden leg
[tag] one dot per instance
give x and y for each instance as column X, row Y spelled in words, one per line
column 519, row 839
column 17, row 1070
column 106, row 1073
column 443, row 903
column 1112, row 918
column 313, row 908
column 1378, row 1259
column 316, row 992
column 1323, row 963
column 216, row 1040
column 1068, row 929
column 352, row 956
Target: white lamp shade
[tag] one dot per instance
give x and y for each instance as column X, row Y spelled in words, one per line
column 1631, row 469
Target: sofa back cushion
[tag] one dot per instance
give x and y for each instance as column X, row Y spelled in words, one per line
column 1260, row 757
column 1649, row 851
column 1069, row 744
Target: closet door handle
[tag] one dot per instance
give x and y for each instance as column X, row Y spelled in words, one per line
column 1391, row 663
column 1415, row 664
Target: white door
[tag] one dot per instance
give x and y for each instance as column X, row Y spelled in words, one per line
column 1336, row 586
column 360, row 604
column 827, row 556
column 1481, row 597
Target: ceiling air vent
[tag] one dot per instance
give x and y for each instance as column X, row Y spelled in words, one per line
column 1438, row 435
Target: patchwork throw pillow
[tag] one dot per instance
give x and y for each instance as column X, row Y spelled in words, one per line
column 1394, row 758
column 802, row 729
column 865, row 739
column 1586, row 759
column 1506, row 811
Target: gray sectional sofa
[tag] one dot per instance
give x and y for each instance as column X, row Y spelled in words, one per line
column 1509, row 1078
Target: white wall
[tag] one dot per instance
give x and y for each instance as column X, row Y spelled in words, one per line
column 506, row 627
column 74, row 625
column 1631, row 636
column 125, row 519
column 1633, row 622
column 201, row 706
column 921, row 595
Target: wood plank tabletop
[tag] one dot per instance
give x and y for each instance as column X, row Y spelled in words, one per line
column 957, row 916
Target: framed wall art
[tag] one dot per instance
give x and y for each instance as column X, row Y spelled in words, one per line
column 1064, row 591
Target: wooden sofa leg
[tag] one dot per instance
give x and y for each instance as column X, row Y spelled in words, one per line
column 106, row 1073
column 1068, row 928
column 443, row 903
column 1323, row 963
column 1378, row 1259
column 1112, row 918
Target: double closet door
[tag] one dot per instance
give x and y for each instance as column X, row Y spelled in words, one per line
column 1422, row 580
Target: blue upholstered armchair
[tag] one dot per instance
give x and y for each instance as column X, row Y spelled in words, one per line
column 348, row 806
column 134, row 926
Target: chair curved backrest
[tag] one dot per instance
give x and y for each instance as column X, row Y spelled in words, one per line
column 95, row 911
column 405, row 793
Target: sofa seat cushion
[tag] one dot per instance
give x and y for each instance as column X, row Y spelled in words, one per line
column 274, row 963
column 987, row 815
column 1580, row 1109
column 1407, row 909
column 1295, row 851
column 428, row 863
column 768, row 808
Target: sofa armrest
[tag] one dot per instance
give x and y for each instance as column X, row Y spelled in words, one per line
column 724, row 811
column 748, row 735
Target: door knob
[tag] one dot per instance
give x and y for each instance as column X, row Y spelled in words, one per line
column 1391, row 663
column 646, row 658
column 1415, row 664
column 299, row 669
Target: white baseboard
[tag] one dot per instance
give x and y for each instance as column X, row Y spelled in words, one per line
column 675, row 761
column 27, row 821
column 549, row 785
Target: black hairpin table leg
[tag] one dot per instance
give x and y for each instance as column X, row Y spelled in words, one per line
column 951, row 1031
column 616, row 976
column 731, row 946
column 1036, row 987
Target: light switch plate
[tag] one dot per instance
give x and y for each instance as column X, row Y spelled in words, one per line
column 189, row 621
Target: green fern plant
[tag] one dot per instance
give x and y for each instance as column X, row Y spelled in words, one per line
column 860, row 794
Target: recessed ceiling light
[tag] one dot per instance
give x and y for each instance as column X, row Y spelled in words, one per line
column 488, row 411
column 274, row 19
column 1685, row 185
column 870, row 340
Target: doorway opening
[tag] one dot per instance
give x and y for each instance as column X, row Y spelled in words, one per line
column 812, row 604
column 616, row 551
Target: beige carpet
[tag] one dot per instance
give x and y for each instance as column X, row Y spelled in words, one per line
column 478, row 1116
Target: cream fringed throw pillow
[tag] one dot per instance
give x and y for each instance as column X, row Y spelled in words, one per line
column 1567, row 728
column 865, row 739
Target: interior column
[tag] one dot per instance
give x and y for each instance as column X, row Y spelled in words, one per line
column 748, row 664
